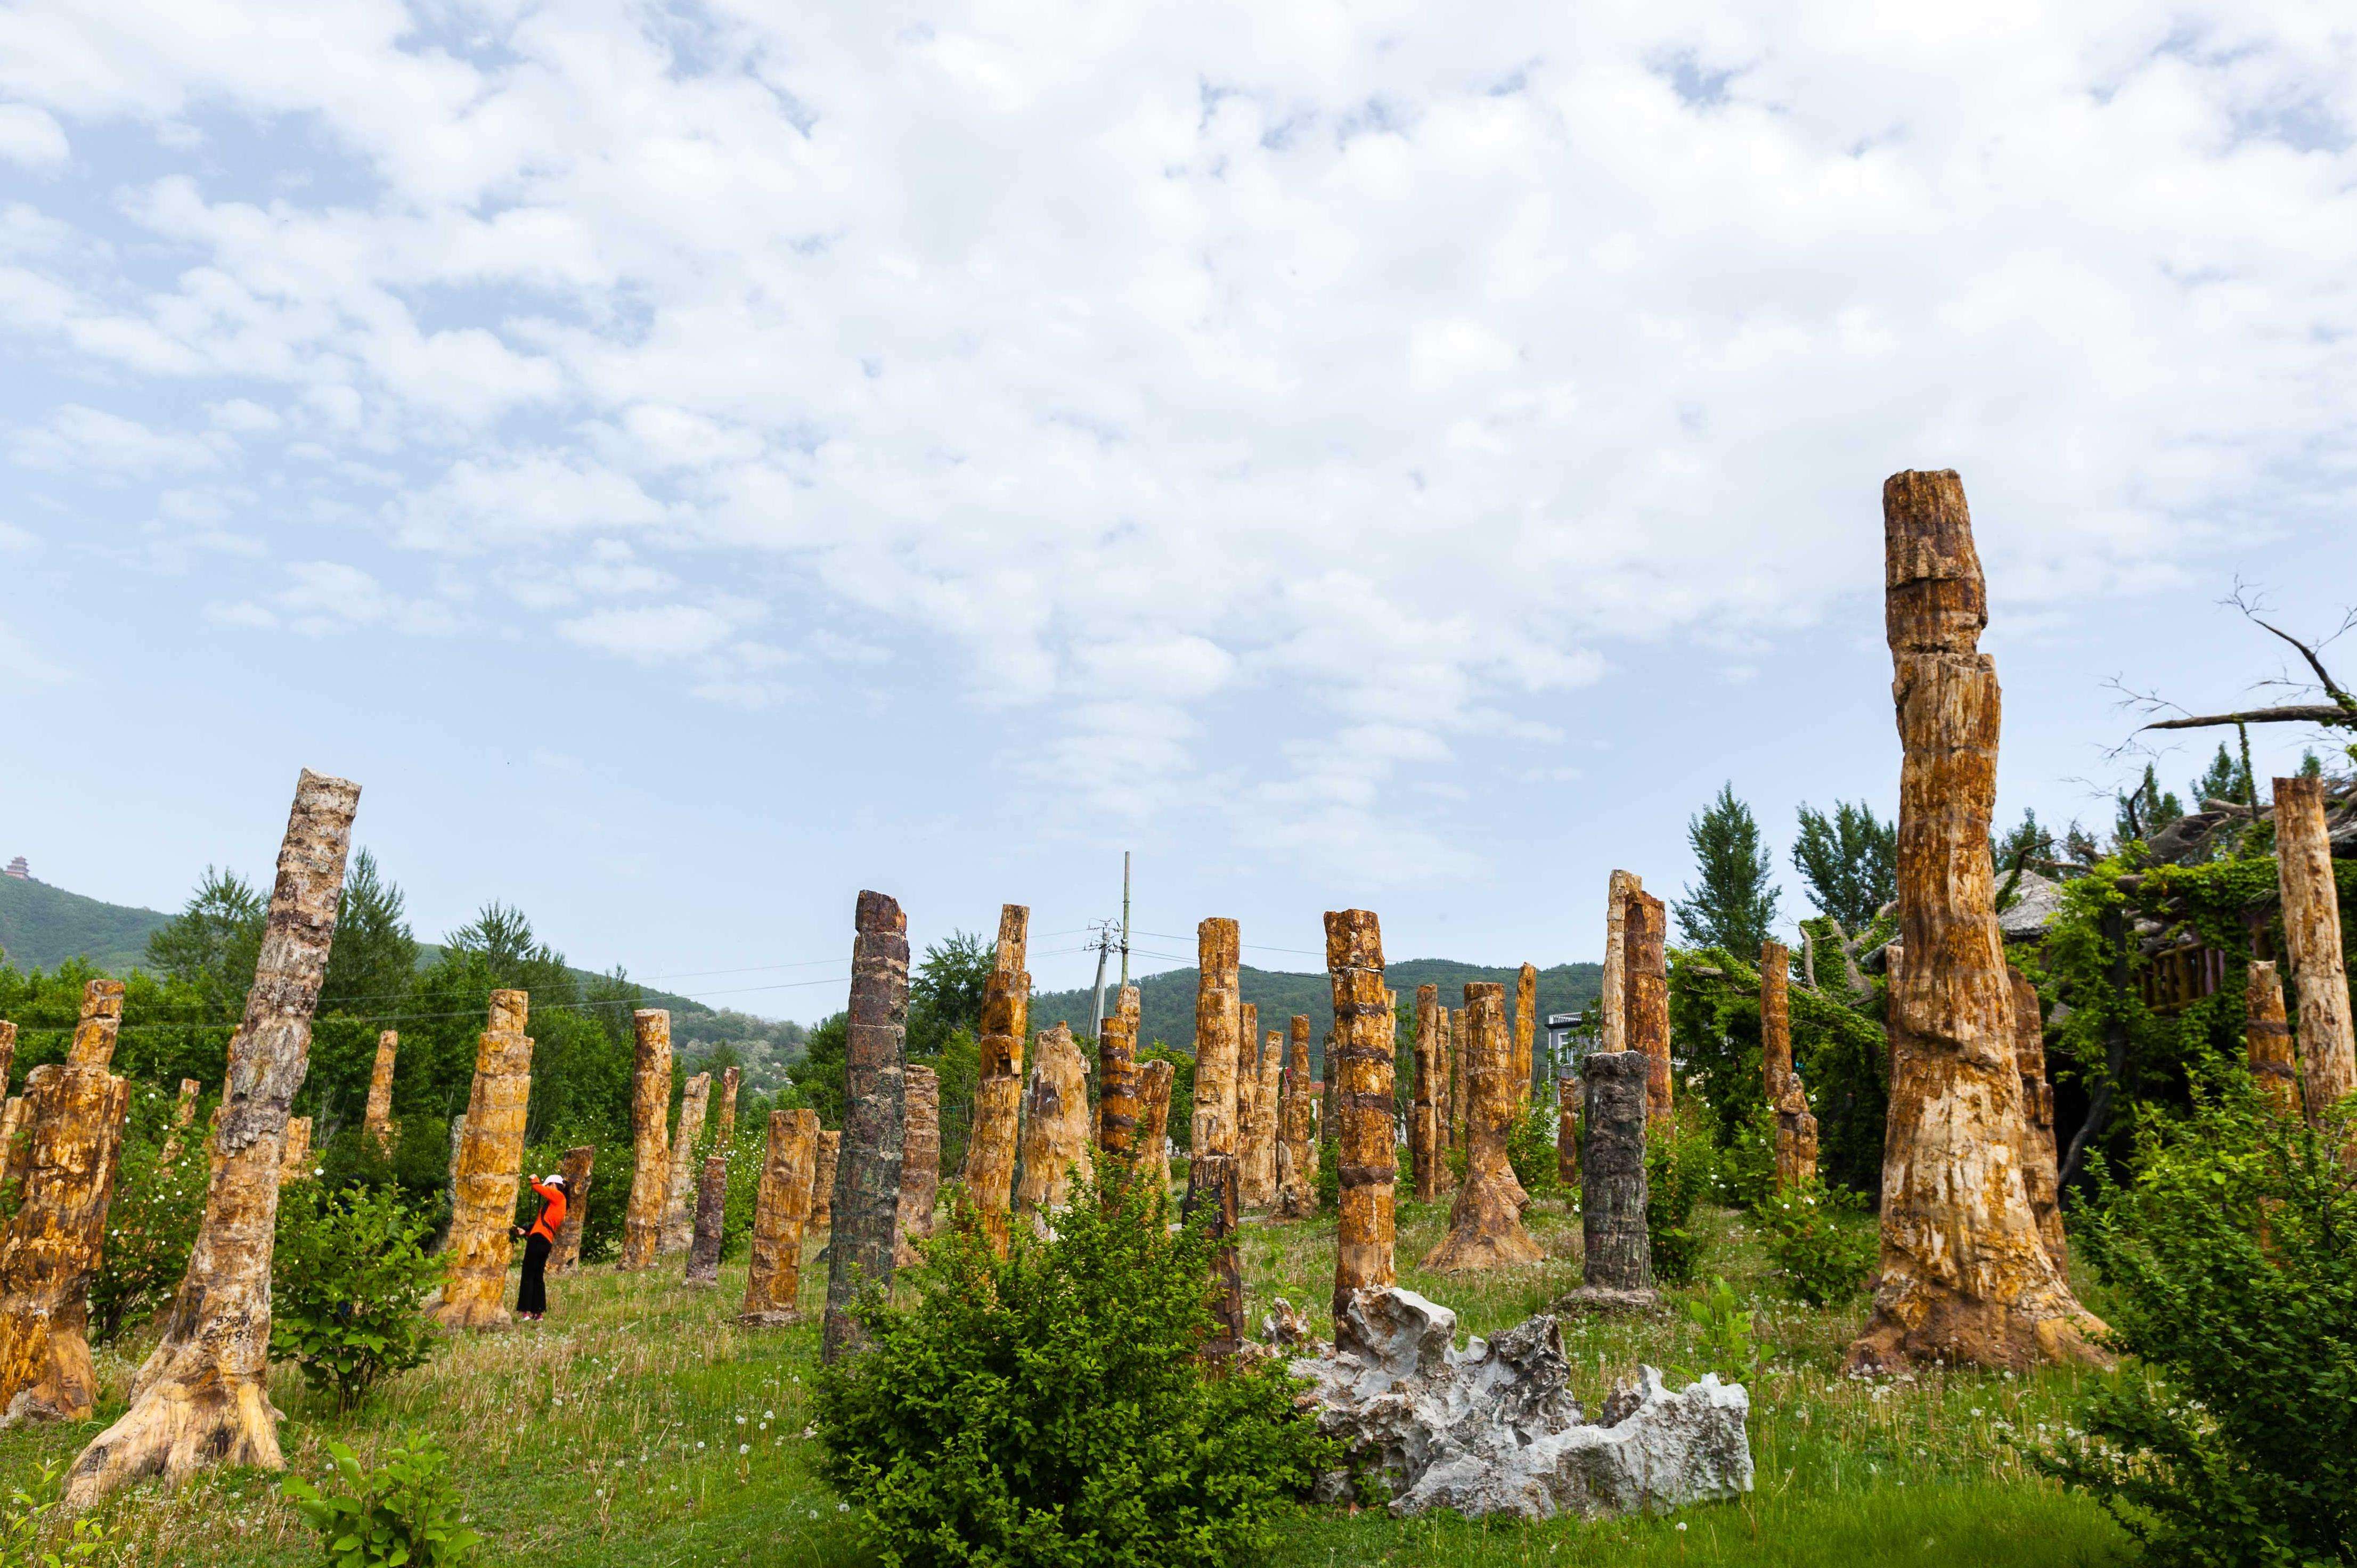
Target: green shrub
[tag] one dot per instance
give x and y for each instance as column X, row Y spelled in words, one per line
column 1530, row 1149
column 151, row 1222
column 25, row 1527
column 1723, row 1326
column 404, row 1513
column 1049, row 1408
column 1329, row 1175
column 1678, row 1172
column 2232, row 1258
column 348, row 1284
column 1821, row 1241
column 1744, row 1173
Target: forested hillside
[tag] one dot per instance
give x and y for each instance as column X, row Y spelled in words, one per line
column 41, row 926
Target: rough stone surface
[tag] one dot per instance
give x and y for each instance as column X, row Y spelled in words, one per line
column 1619, row 1254
column 1297, row 1147
column 1361, row 1055
column 1645, row 993
column 182, row 1115
column 650, row 1138
column 679, row 1191
column 1526, row 1026
column 1566, row 1133
column 579, row 1163
column 2040, row 1176
column 1611, row 1001
column 1259, row 1179
column 988, row 1172
column 921, row 1163
column 1211, row 1181
column 2267, row 1037
column 490, row 1161
column 1219, row 1022
column 830, row 1154
column 711, row 1202
column 1056, row 1142
column 8, row 1053
column 294, row 1161
column 1495, row 1428
column 1154, row 1124
column 2312, row 921
column 781, row 1210
column 1426, row 1131
column 867, row 1175
column 724, row 1120
column 1117, row 1079
column 376, row 1122
column 1485, row 1226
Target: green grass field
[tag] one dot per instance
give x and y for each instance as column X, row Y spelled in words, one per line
column 638, row 1425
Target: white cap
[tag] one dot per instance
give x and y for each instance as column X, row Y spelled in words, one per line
column 556, row 1180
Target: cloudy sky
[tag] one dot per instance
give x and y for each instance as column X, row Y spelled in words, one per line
column 692, row 462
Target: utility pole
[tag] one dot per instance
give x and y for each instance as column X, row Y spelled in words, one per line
column 1105, row 940
column 1125, row 917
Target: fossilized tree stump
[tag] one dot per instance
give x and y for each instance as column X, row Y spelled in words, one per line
column 490, row 1161
column 1253, row 1120
column 991, row 1142
column 2036, row 1154
column 1219, row 1022
column 875, row 1108
column 921, row 1163
column 1117, row 1079
column 781, row 1211
column 15, row 1136
column 1425, row 1128
column 1618, row 1270
column 1211, row 1184
column 1778, row 1082
column 376, row 1121
column 679, row 1190
column 1055, row 1129
column 1363, row 1101
column 202, row 1397
column 294, row 1161
column 2267, row 1037
column 2312, row 921
column 1612, row 1002
column 1645, row 992
column 1485, row 1224
column 830, row 1154
column 724, row 1136
column 578, row 1166
column 650, row 1138
column 51, row 1247
column 1566, row 1133
column 1449, row 1027
column 1268, row 1081
column 1526, row 1026
column 1296, row 1148
column 1965, row 1274
column 711, row 1202
column 1154, row 1124
column 8, row 1053
column 182, row 1114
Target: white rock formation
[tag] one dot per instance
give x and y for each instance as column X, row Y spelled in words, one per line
column 1495, row 1428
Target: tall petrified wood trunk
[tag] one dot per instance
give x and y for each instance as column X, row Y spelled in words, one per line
column 474, row 1293
column 8, row 1053
column 1154, row 1124
column 1296, row 1148
column 1526, row 1028
column 1268, row 1116
column 2039, row 1179
column 1618, row 1270
column 1055, row 1129
column 1566, row 1133
column 1452, row 1047
column 182, row 1114
column 202, row 1397
column 920, row 1162
column 577, row 1165
column 2311, row 919
column 1211, row 1186
column 1362, row 1103
column 1965, row 1274
column 650, row 1138
column 990, row 1150
column 679, row 1192
column 1778, row 1082
column 1117, row 1079
column 1612, row 1003
column 376, row 1121
column 867, row 1178
column 295, row 1160
column 2267, row 1038
column 711, row 1202
column 830, row 1154
column 1645, row 992
column 1424, row 1124
column 1485, row 1226
column 724, row 1136
column 781, row 1210
column 1254, row 1122
column 1218, row 1038
column 51, row 1247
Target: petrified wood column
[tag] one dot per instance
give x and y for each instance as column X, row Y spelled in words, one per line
column 1154, row 1124
column 1450, row 1027
column 1775, row 1020
column 781, row 1211
column 1567, row 1132
column 1363, row 1101
column 51, row 1247
column 2267, row 1037
column 867, row 1179
column 724, row 1136
column 376, row 1121
column 1218, row 1038
column 679, row 1188
column 8, row 1053
column 577, row 1165
column 1055, row 1129
column 1619, row 1271
column 711, row 1202
column 2311, row 919
column 202, row 1397
column 2039, row 1169
column 294, row 1161
column 1117, row 1079
column 1646, row 1006
column 1485, row 1226
column 182, row 1114
column 1965, row 1274
column 1296, row 1148
column 1212, row 1186
column 921, row 1163
column 650, row 1138
column 1612, row 1003
column 989, row 1168
column 1267, row 1112
column 1425, row 1128
column 830, row 1154
column 474, row 1294
column 1253, row 1120
column 1526, row 1028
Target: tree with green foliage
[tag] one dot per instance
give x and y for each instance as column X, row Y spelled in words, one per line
column 2225, row 780
column 819, row 1075
column 349, row 1279
column 374, row 960
column 2144, row 810
column 945, row 992
column 212, row 943
column 1849, row 860
column 1734, row 903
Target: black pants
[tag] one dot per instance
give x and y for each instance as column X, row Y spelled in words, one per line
column 532, row 1295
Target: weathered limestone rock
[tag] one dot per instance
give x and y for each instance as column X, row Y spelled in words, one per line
column 1495, row 1428
column 781, row 1210
column 1055, row 1129
column 490, row 1161
column 711, row 1202
column 1645, row 1004
column 679, row 1212
column 1296, row 1147
column 2036, row 1154
column 1526, row 1025
column 577, row 1165
column 1612, row 1003
column 921, row 1163
column 830, row 1154
column 1154, row 1124
column 1117, row 1079
column 182, row 1114
column 867, row 1178
column 1362, row 1100
column 1619, row 1269
column 1485, row 1226
column 51, row 1247
column 202, row 1397
column 1965, row 1276
column 295, row 1162
column 724, row 1135
column 989, row 1169
column 2267, row 1037
column 1211, row 1182
column 650, row 1138
column 376, row 1121
column 1425, row 1129
column 1219, row 1022
column 2311, row 920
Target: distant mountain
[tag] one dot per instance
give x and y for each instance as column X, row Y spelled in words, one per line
column 41, row 926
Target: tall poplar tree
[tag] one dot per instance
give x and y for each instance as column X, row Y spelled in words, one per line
column 1733, row 903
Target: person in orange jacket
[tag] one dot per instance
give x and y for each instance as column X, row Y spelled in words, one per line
column 532, row 1296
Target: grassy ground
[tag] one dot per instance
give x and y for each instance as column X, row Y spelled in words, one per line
column 638, row 1425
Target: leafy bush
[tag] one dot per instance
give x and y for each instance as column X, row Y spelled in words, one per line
column 1723, row 1326
column 1530, row 1149
column 1745, row 1172
column 405, row 1512
column 348, row 1284
column 1049, row 1408
column 151, row 1222
column 2232, row 1263
column 1329, row 1173
column 1821, row 1241
column 24, row 1528
column 1678, row 1171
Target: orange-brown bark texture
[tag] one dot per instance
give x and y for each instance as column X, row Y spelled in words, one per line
column 1296, row 1149
column 921, row 1163
column 1117, row 1082
column 1425, row 1143
column 679, row 1190
column 2040, row 1169
column 183, row 1114
column 1526, row 1025
column 781, row 1210
column 724, row 1123
column 1612, row 1002
column 991, row 1140
column 1154, row 1124
column 1219, row 1022
column 874, row 1105
column 490, row 1161
column 1485, row 1224
column 650, row 1138
column 294, row 1159
column 830, row 1153
column 2266, row 1036
column 1056, row 1142
column 1645, row 993
column 1268, row 1087
column 1362, row 1104
column 376, row 1121
column 2311, row 920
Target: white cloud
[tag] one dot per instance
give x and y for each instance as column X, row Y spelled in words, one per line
column 31, row 137
column 92, row 442
column 651, row 634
